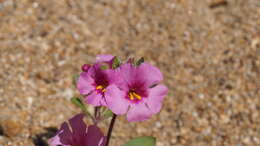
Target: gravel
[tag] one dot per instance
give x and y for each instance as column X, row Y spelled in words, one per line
column 208, row 51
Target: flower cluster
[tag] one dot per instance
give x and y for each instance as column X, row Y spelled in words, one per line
column 129, row 89
column 126, row 88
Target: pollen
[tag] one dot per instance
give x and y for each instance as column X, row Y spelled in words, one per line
column 133, row 95
column 100, row 87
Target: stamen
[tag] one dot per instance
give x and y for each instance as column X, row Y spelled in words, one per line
column 102, row 88
column 132, row 95
column 137, row 96
column 99, row 87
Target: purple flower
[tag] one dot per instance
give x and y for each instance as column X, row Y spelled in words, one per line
column 142, row 96
column 96, row 82
column 80, row 135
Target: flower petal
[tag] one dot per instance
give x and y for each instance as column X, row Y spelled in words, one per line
column 85, row 83
column 144, row 76
column 155, row 98
column 104, row 58
column 138, row 112
column 94, row 136
column 149, row 74
column 116, row 101
column 103, row 141
column 54, row 141
column 63, row 136
column 77, row 125
column 94, row 98
column 128, row 74
column 113, row 76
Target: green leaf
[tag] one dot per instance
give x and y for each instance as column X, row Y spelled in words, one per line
column 140, row 61
column 107, row 114
column 78, row 103
column 142, row 141
column 82, row 106
column 116, row 63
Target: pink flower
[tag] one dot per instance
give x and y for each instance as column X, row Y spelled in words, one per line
column 80, row 135
column 142, row 96
column 95, row 82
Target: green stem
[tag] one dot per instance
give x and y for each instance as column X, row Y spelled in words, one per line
column 96, row 115
column 109, row 133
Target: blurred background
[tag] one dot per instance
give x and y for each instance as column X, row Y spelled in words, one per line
column 208, row 51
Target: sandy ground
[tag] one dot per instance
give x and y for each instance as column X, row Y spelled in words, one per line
column 208, row 51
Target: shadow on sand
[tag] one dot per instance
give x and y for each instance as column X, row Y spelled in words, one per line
column 41, row 138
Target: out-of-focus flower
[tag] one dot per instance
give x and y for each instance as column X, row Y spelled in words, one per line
column 77, row 133
column 142, row 96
